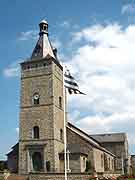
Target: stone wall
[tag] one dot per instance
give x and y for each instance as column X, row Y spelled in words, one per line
column 94, row 155
column 45, row 78
column 73, row 138
column 99, row 166
column 133, row 164
column 75, row 176
column 118, row 148
column 58, row 177
column 104, row 162
column 12, row 163
column 117, row 143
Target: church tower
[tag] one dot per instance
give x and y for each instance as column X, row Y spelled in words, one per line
column 41, row 109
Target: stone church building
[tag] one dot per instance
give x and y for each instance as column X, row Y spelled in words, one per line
column 41, row 136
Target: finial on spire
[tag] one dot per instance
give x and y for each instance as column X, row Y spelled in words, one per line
column 43, row 25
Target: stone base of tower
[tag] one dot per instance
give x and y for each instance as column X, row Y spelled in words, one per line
column 46, row 149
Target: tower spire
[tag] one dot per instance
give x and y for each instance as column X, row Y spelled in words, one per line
column 43, row 47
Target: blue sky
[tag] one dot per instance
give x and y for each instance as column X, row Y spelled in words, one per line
column 96, row 40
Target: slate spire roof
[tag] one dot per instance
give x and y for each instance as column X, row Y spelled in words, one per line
column 43, row 47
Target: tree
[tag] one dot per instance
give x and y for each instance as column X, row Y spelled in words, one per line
column 2, row 167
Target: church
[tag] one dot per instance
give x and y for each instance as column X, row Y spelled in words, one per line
column 40, row 150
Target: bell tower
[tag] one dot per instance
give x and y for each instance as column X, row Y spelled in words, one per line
column 41, row 109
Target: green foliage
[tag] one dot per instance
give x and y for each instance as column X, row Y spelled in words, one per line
column 2, row 166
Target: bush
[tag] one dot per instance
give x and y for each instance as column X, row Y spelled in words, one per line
column 3, row 166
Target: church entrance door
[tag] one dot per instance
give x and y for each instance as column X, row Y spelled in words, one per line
column 37, row 161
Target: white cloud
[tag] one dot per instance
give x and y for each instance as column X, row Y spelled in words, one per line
column 28, row 35
column 65, row 24
column 12, row 70
column 113, row 123
column 69, row 24
column 17, row 130
column 128, row 9
column 105, row 68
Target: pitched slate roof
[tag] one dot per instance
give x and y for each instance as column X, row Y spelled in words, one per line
column 87, row 138
column 14, row 150
column 110, row 137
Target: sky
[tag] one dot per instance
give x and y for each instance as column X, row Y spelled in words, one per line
column 95, row 39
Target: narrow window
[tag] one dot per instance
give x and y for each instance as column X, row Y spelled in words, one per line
column 109, row 162
column 102, row 160
column 48, row 166
column 112, row 164
column 84, row 162
column 36, row 132
column 61, row 134
column 36, row 99
column 60, row 102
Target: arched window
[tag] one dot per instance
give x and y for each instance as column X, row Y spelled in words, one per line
column 36, row 132
column 84, row 162
column 37, row 161
column 60, row 102
column 102, row 160
column 109, row 162
column 36, row 99
column 112, row 164
column 48, row 166
column 61, row 134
